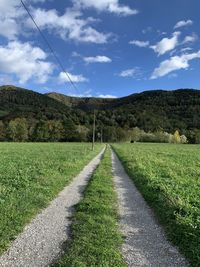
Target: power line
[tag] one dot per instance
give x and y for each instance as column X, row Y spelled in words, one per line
column 49, row 46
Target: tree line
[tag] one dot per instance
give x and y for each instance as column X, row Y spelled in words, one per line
column 23, row 130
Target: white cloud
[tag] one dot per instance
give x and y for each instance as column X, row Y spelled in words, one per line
column 173, row 64
column 97, row 59
column 147, row 30
column 183, row 23
column 81, row 95
column 9, row 28
column 166, row 44
column 9, row 7
column 10, row 14
column 25, row 61
column 186, row 49
column 76, row 54
column 112, row 6
column 86, row 93
column 38, row 1
column 190, row 38
column 70, row 25
column 106, row 96
column 134, row 72
column 139, row 43
column 74, row 78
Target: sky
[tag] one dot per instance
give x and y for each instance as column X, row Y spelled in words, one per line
column 109, row 48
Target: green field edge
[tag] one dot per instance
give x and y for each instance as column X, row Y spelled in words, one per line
column 95, row 236
column 30, row 203
column 165, row 209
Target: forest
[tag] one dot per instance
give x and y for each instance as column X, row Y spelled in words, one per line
column 151, row 116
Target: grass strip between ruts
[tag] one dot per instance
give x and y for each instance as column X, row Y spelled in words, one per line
column 96, row 239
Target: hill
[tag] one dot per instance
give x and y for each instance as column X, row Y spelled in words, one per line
column 151, row 111
column 83, row 103
column 20, row 102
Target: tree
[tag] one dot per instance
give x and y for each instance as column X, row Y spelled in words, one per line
column 148, row 137
column 176, row 137
column 183, row 139
column 82, row 133
column 69, row 130
column 11, row 131
column 18, row 130
column 2, row 131
column 22, row 130
column 163, row 137
column 31, row 129
column 110, row 134
column 121, row 134
column 196, row 137
column 55, row 129
column 136, row 134
column 41, row 132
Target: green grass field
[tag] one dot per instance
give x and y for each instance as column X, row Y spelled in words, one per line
column 31, row 175
column 168, row 176
column 96, row 239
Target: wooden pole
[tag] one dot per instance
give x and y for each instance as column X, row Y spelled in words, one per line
column 94, row 130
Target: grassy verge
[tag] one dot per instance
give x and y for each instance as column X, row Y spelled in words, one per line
column 96, row 240
column 168, row 177
column 31, row 175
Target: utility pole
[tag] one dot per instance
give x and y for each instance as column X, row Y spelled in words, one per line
column 94, row 130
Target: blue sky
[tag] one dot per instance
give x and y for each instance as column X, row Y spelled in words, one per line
column 107, row 47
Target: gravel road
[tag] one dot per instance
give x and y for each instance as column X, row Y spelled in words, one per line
column 145, row 242
column 42, row 240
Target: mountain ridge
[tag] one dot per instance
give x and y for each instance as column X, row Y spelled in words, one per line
column 79, row 101
column 150, row 111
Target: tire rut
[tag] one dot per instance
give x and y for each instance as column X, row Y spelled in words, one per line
column 145, row 241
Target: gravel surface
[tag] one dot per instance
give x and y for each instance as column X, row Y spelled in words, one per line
column 42, row 240
column 145, row 242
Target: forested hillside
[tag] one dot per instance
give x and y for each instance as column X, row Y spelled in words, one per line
column 54, row 116
column 148, row 110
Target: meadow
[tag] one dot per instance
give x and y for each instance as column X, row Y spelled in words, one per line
column 168, row 176
column 31, row 175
